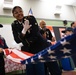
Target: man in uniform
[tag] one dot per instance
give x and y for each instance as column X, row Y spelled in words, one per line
column 26, row 31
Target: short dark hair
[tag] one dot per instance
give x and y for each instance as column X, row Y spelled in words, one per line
column 65, row 22
column 68, row 29
column 72, row 24
column 15, row 8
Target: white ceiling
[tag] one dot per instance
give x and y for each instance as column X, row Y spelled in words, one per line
column 70, row 2
column 74, row 3
column 60, row 2
column 67, row 2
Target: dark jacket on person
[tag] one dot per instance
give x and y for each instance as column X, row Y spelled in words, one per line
column 2, row 63
column 33, row 41
column 48, row 34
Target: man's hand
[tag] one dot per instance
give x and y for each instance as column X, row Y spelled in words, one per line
column 53, row 39
column 26, row 26
column 1, row 50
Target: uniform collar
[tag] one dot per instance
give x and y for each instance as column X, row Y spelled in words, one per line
column 20, row 22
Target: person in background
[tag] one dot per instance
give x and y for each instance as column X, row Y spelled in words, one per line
column 43, row 33
column 68, row 31
column 50, row 67
column 69, row 61
column 3, row 45
column 25, row 30
column 49, row 36
column 73, row 25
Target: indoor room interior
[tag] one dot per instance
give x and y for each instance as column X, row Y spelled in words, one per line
column 58, row 15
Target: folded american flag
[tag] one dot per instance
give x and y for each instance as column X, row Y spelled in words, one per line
column 16, row 55
column 62, row 49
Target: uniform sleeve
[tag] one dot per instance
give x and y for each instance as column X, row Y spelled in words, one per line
column 33, row 22
column 34, row 30
column 15, row 33
column 5, row 45
column 1, row 54
column 29, row 37
column 49, row 35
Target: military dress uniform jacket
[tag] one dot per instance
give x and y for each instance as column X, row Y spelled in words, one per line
column 48, row 34
column 33, row 41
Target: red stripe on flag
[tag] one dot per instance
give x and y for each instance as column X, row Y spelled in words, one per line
column 16, row 55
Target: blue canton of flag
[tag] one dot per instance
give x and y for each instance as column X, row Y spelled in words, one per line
column 62, row 49
column 30, row 12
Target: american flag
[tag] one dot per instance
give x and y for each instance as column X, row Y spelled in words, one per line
column 16, row 55
column 62, row 49
column 30, row 12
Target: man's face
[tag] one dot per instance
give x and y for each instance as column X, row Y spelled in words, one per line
column 42, row 24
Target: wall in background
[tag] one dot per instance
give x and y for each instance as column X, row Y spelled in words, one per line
column 6, row 32
column 43, row 9
column 8, row 20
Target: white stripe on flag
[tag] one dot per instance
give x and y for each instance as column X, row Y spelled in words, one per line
column 14, row 59
column 20, row 54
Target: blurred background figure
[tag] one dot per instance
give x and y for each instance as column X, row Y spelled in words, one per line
column 73, row 25
column 51, row 68
column 65, row 22
column 68, row 31
column 68, row 61
column 3, row 45
column 49, row 36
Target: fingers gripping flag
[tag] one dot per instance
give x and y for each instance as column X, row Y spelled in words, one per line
column 62, row 49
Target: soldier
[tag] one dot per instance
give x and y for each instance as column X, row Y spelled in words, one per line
column 26, row 31
column 48, row 32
